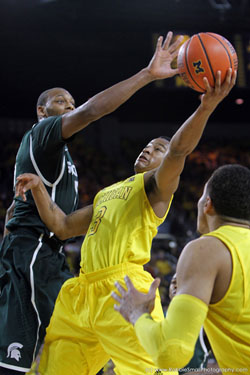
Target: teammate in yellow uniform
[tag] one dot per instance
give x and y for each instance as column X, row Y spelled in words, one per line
column 85, row 331
column 213, row 283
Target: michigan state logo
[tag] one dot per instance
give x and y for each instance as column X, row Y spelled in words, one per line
column 13, row 351
column 197, row 67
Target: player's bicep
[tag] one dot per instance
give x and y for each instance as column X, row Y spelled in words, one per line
column 197, row 270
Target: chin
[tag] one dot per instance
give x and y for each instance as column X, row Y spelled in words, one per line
column 138, row 168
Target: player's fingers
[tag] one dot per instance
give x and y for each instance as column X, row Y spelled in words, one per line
column 129, row 283
column 208, row 88
column 218, row 80
column 18, row 189
column 121, row 290
column 23, row 177
column 117, row 307
column 153, row 287
column 159, row 43
column 234, row 77
column 27, row 186
column 167, row 40
column 20, row 193
column 228, row 79
column 116, row 297
column 174, row 48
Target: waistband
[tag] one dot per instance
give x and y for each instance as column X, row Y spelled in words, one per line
column 121, row 269
column 53, row 242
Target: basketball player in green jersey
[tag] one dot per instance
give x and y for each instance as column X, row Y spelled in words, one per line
column 213, row 283
column 85, row 331
column 32, row 267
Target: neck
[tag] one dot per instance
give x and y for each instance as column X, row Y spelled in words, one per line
column 217, row 221
column 235, row 221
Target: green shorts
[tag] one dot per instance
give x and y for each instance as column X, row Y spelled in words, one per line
column 32, row 271
column 200, row 357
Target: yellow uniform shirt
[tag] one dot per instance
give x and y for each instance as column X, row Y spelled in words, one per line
column 122, row 227
column 228, row 321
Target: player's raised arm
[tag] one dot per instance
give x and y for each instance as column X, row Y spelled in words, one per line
column 110, row 99
column 187, row 137
column 64, row 226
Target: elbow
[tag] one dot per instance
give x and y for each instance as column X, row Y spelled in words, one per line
column 174, row 357
column 58, row 231
column 62, row 234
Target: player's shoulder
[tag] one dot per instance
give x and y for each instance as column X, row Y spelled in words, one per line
column 46, row 122
column 204, row 241
column 203, row 246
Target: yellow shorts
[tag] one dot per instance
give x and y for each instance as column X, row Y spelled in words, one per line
column 85, row 331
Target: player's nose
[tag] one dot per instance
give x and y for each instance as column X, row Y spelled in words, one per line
column 70, row 106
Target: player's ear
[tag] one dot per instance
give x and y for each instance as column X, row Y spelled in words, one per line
column 41, row 113
column 208, row 207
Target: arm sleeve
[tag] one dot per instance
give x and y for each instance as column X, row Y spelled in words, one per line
column 171, row 342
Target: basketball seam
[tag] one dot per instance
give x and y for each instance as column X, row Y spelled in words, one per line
column 229, row 57
column 186, row 62
column 204, row 49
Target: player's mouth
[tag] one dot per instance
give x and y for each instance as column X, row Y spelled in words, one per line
column 142, row 158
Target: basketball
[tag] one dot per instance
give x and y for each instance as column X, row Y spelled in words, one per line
column 202, row 56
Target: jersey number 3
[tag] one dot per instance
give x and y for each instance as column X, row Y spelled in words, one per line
column 97, row 220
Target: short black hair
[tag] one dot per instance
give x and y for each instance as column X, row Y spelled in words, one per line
column 43, row 98
column 229, row 190
column 165, row 137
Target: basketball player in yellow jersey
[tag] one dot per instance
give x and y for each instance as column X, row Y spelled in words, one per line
column 213, row 283
column 85, row 331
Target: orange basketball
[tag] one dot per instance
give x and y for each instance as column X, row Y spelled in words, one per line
column 202, row 56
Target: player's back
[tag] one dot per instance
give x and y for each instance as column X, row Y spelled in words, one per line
column 228, row 321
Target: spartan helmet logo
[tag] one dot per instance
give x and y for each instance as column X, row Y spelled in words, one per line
column 13, row 351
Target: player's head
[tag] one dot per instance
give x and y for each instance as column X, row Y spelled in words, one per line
column 152, row 155
column 226, row 195
column 173, row 287
column 54, row 102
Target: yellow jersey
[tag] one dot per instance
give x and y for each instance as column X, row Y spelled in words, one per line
column 122, row 228
column 228, row 321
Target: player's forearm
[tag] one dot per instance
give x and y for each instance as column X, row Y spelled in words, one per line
column 171, row 342
column 105, row 102
column 52, row 216
column 189, row 134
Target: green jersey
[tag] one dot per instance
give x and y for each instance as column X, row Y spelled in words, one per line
column 45, row 153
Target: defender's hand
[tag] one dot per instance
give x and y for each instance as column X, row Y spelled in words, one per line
column 160, row 65
column 26, row 182
column 133, row 303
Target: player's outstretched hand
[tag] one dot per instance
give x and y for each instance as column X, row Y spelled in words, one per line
column 132, row 304
column 26, row 182
column 165, row 52
column 214, row 96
